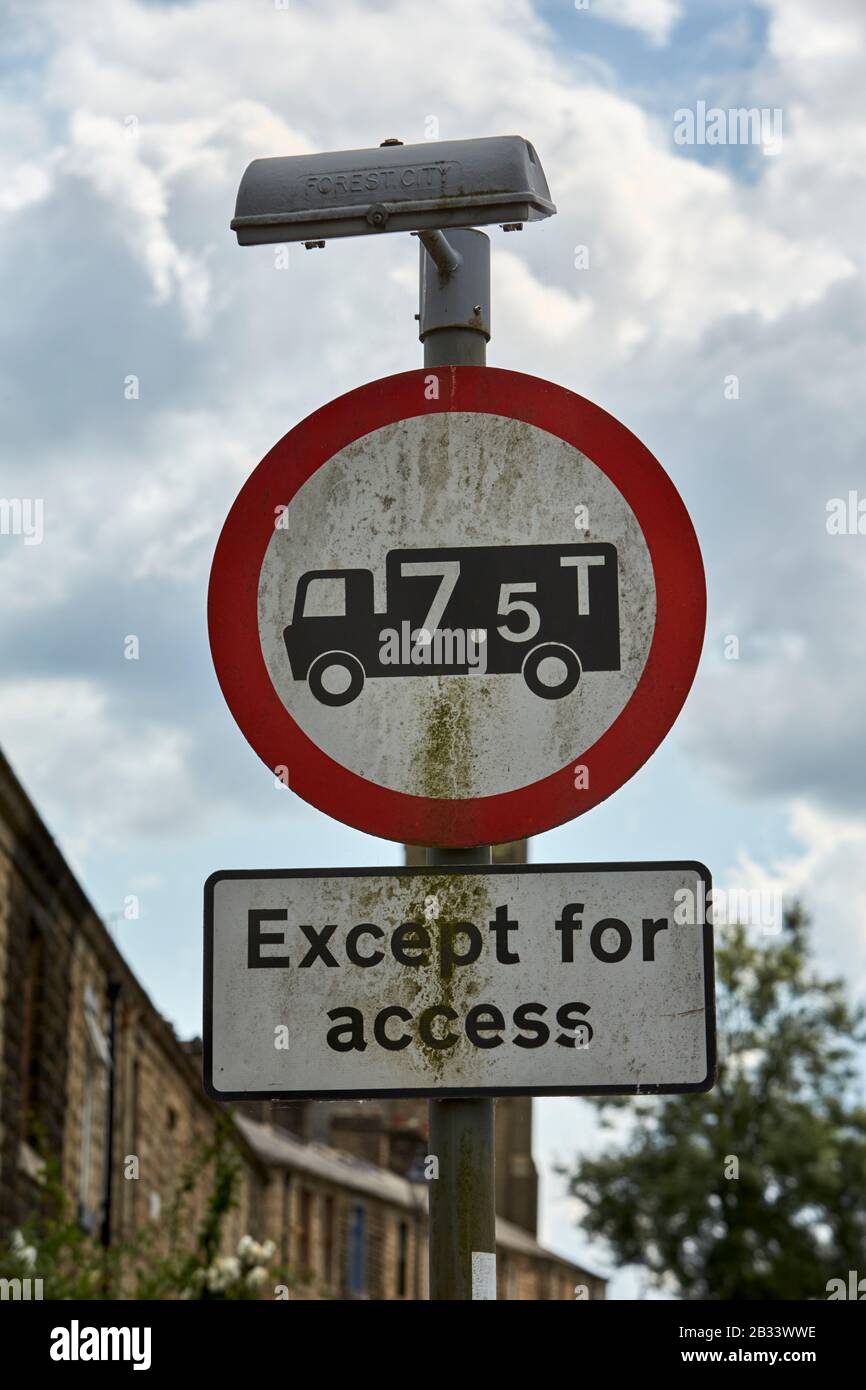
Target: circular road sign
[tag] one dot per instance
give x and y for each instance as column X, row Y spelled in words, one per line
column 456, row 606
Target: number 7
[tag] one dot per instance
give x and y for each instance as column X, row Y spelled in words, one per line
column 448, row 572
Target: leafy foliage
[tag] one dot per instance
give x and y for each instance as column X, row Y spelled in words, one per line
column 158, row 1263
column 754, row 1190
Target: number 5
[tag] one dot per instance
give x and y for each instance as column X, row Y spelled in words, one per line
column 507, row 604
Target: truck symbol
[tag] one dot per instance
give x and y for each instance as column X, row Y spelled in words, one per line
column 546, row 612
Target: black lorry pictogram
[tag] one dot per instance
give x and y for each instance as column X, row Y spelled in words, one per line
column 548, row 612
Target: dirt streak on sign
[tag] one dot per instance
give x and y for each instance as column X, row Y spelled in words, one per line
column 555, row 979
column 459, row 606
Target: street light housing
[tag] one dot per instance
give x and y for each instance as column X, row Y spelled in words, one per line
column 392, row 188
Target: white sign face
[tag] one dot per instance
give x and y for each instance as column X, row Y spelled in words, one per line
column 549, row 980
column 462, row 527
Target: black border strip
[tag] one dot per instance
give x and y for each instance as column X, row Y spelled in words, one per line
column 441, row 1092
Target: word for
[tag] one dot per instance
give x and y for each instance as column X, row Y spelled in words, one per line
column 483, row 1027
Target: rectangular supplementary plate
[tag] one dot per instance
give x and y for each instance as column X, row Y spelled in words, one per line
column 554, row 979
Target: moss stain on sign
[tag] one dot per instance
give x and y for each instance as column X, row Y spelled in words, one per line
column 442, row 904
column 445, row 751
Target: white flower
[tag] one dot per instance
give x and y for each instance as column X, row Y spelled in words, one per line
column 222, row 1273
column 257, row 1276
column 251, row 1253
column 25, row 1253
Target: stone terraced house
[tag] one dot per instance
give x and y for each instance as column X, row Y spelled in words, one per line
column 93, row 1076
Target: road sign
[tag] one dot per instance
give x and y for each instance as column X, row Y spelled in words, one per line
column 561, row 979
column 456, row 606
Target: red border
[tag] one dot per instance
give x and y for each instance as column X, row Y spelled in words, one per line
column 621, row 750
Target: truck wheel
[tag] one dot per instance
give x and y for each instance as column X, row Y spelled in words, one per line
column 336, row 678
column 551, row 670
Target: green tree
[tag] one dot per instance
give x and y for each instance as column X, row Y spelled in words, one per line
column 756, row 1189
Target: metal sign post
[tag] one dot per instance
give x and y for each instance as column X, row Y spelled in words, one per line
column 453, row 608
column 454, row 328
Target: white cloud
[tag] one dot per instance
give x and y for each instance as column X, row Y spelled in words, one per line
column 683, row 245
column 106, row 155
column 812, row 42
column 23, row 185
column 653, row 18
column 824, row 871
column 693, row 274
column 124, row 777
column 532, row 309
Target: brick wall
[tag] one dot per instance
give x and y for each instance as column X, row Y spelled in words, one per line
column 93, row 1076
column 78, row 1034
column 36, row 933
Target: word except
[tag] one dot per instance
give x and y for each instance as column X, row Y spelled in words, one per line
column 410, row 944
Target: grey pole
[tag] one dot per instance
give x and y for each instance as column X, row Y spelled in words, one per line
column 454, row 328
column 455, row 298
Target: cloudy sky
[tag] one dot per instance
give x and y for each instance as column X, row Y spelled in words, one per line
column 127, row 126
